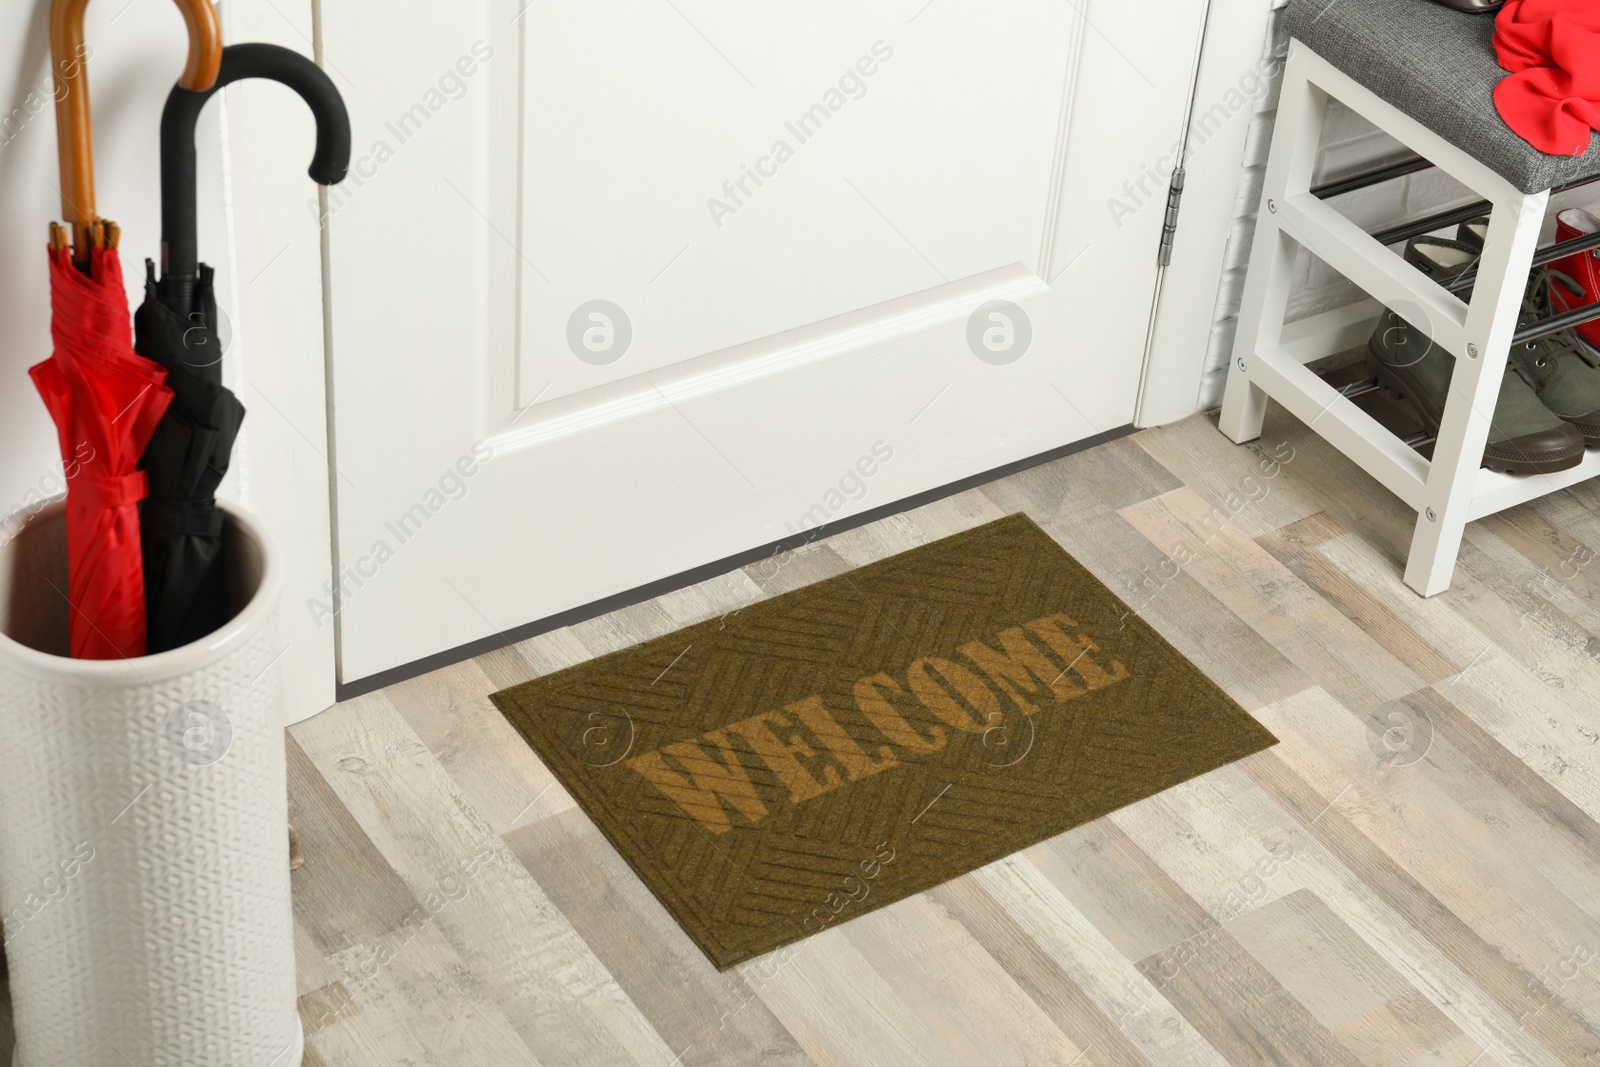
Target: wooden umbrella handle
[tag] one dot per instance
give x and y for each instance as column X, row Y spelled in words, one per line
column 205, row 45
column 74, row 135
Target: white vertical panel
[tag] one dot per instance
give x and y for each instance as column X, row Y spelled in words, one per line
column 278, row 347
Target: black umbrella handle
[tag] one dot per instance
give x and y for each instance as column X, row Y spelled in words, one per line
column 329, row 163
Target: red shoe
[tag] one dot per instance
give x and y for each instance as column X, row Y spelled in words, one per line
column 1581, row 267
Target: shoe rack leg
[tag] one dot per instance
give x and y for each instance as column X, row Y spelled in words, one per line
column 1474, row 388
column 1266, row 296
column 1295, row 141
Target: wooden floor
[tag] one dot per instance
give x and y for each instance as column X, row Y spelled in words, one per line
column 1411, row 877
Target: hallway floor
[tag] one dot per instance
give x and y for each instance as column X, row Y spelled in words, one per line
column 1411, row 877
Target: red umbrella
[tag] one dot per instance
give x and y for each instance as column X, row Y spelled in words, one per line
column 105, row 399
column 106, row 402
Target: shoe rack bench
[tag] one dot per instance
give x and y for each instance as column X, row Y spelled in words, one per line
column 1270, row 355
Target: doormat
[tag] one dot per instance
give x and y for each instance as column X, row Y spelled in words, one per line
column 808, row 759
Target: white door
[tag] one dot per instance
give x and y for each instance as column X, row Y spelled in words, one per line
column 622, row 288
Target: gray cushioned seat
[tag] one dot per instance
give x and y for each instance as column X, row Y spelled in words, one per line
column 1438, row 66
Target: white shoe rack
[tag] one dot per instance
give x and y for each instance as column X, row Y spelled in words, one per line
column 1270, row 355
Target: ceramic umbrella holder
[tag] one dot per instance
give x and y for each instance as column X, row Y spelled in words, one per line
column 144, row 868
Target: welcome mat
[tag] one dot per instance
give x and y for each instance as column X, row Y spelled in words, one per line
column 816, row 756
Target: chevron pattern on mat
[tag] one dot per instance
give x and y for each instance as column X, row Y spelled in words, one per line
column 799, row 763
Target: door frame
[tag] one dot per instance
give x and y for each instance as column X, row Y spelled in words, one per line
column 279, row 329
column 1232, row 52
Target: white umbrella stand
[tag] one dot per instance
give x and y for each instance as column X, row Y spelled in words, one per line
column 144, row 866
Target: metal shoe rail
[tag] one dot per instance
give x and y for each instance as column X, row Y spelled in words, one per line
column 1454, row 216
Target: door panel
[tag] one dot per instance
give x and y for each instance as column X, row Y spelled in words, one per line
column 824, row 346
column 715, row 213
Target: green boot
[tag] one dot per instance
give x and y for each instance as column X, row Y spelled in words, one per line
column 1564, row 372
column 1474, row 232
column 1525, row 436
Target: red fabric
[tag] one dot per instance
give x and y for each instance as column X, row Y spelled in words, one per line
column 1583, row 268
column 106, row 401
column 1552, row 49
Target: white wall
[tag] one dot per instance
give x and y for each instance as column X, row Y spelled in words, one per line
column 1239, row 73
column 133, row 63
column 268, row 281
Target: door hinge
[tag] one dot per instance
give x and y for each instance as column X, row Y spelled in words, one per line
column 1169, row 228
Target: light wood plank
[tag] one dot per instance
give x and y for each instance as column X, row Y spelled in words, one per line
column 1167, row 596
column 1409, row 1032
column 1362, row 1001
column 1559, row 553
column 1491, row 999
column 1245, row 482
column 8, row 1037
column 1296, row 545
column 345, row 893
column 1037, row 975
column 703, row 1014
column 1555, row 733
column 1082, row 951
column 1326, row 481
column 1277, row 605
column 916, row 945
column 1490, row 867
column 838, row 1007
column 1103, row 479
column 451, row 712
column 1198, row 829
column 449, row 854
column 420, row 1002
column 1241, row 1009
column 325, row 1006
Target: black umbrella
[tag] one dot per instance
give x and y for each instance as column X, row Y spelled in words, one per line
column 177, row 326
column 186, row 595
